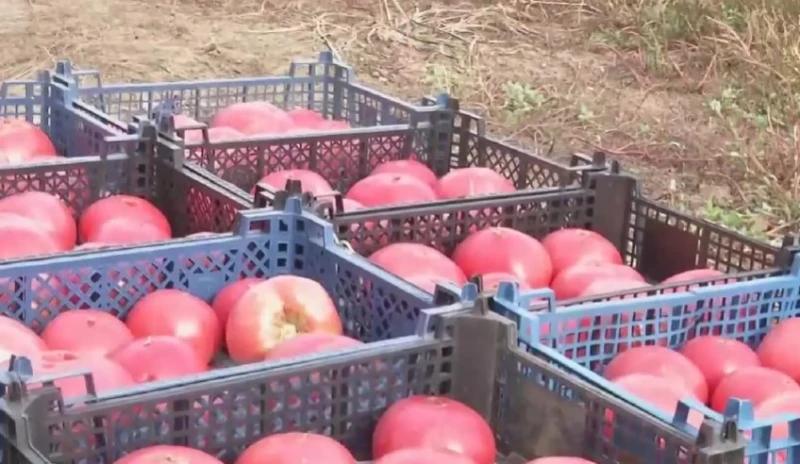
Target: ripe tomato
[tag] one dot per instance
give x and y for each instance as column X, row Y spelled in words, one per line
column 573, row 281
column 660, row 362
column 251, row 118
column 107, row 374
column 424, row 456
column 568, row 247
column 276, row 310
column 754, row 383
column 177, row 313
column 788, row 403
column 777, row 348
column 435, row 423
column 17, row 339
column 23, row 237
column 500, row 249
column 119, row 206
column 409, row 167
column 86, row 331
column 48, row 210
column 310, row 181
column 304, row 344
column 390, row 189
column 412, row 259
column 227, row 298
column 305, row 118
column 295, row 448
column 168, row 454
column 468, row 182
column 162, row 357
column 655, row 391
column 128, row 231
column 717, row 357
column 21, row 142
column 492, row 280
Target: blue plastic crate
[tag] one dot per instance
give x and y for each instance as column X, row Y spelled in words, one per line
column 459, row 351
column 586, row 334
column 384, row 128
column 373, row 304
column 71, row 125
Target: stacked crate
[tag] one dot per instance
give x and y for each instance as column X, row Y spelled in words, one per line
column 459, row 343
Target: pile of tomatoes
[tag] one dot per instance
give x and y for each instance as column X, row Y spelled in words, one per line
column 170, row 333
column 391, row 183
column 712, row 369
column 573, row 262
column 415, row 430
column 38, row 223
column 578, row 263
column 399, row 182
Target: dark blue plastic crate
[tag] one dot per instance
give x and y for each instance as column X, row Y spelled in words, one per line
column 188, row 198
column 385, row 128
column 459, row 351
column 652, row 238
column 745, row 309
column 71, row 125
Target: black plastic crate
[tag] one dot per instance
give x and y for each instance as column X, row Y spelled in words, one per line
column 656, row 240
column 385, row 128
column 535, row 409
column 457, row 139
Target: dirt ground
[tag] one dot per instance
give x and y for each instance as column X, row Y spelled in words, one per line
column 553, row 75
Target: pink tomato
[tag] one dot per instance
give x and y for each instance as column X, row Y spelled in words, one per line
column 500, row 249
column 410, row 167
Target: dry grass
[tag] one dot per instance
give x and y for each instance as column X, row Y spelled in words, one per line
column 700, row 97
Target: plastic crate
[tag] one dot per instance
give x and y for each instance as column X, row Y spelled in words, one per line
column 322, row 85
column 191, row 202
column 763, row 284
column 75, row 128
column 385, row 128
column 469, row 355
column 373, row 304
column 654, row 239
column 745, row 310
column 587, row 335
